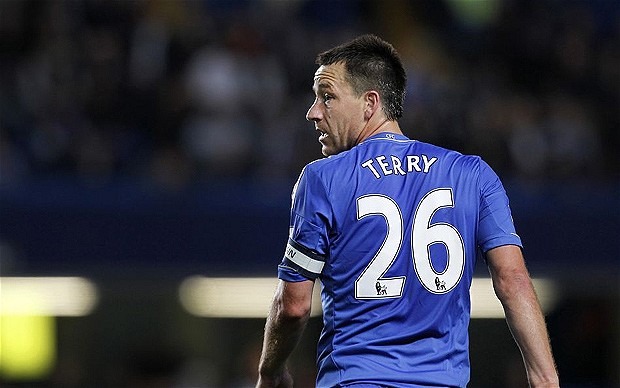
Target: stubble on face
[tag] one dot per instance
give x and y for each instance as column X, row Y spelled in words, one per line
column 336, row 110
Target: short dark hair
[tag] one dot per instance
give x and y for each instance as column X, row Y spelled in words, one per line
column 371, row 64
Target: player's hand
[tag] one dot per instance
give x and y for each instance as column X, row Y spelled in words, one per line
column 285, row 380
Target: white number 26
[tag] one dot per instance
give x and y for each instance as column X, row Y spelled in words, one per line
column 372, row 285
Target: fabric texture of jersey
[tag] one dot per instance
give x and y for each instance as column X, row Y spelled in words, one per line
column 392, row 229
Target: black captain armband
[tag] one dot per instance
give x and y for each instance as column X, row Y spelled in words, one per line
column 302, row 259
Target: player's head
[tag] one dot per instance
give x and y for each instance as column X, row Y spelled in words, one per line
column 358, row 85
column 371, row 64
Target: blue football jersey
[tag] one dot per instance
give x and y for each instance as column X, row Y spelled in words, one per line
column 392, row 228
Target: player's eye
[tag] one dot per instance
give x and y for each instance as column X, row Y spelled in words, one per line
column 327, row 97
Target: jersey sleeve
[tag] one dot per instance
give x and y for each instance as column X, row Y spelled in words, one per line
column 496, row 227
column 308, row 243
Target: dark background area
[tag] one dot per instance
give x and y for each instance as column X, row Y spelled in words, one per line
column 142, row 142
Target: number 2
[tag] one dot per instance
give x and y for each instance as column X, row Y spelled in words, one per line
column 372, row 285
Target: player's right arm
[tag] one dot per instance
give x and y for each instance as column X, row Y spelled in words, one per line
column 290, row 309
column 286, row 322
column 524, row 316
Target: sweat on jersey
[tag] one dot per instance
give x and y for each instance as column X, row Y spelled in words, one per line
column 392, row 229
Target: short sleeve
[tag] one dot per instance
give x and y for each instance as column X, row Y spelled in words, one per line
column 496, row 227
column 308, row 244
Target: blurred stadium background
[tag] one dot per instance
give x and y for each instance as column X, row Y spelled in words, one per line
column 148, row 150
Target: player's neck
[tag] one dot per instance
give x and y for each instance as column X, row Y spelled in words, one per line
column 372, row 129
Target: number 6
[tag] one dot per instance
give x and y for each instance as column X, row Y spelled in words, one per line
column 425, row 234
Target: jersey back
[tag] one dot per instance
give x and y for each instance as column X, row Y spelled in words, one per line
column 392, row 229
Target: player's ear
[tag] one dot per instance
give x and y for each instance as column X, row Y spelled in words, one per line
column 372, row 103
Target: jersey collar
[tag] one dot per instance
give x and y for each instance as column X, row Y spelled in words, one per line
column 388, row 136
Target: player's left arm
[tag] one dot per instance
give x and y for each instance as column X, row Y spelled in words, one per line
column 525, row 318
column 286, row 322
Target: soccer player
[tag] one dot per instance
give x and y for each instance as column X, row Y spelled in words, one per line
column 391, row 227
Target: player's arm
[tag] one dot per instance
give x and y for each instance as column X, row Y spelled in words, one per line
column 526, row 321
column 286, row 322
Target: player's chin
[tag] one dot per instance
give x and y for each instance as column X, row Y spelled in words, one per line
column 327, row 149
column 329, row 146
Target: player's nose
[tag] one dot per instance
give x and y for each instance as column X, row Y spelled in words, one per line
column 313, row 113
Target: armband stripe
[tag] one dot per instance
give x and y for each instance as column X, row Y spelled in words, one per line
column 302, row 257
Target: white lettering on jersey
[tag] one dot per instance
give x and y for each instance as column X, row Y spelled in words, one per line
column 381, row 165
